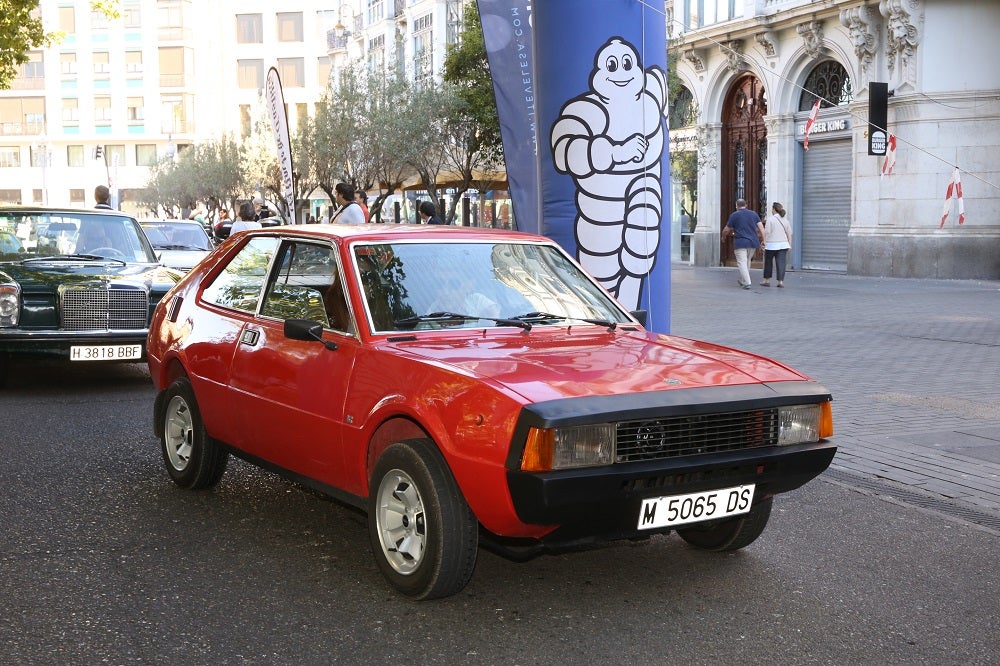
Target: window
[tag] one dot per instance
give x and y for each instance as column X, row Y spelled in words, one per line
column 308, row 285
column 292, row 72
column 67, row 63
column 133, row 62
column 34, row 69
column 249, row 29
column 683, row 112
column 239, row 284
column 423, row 48
column 132, row 15
column 77, row 196
column 41, row 156
column 102, row 110
column 145, row 154
column 74, row 156
column 171, row 66
column 98, row 20
column 101, row 63
column 37, row 196
column 10, row 196
column 246, row 123
column 67, row 20
column 22, row 115
column 250, row 73
column 136, row 110
column 10, row 157
column 829, row 81
column 701, row 13
column 323, row 71
column 290, row 27
column 174, row 113
column 115, row 155
column 376, row 55
column 70, row 111
column 376, row 10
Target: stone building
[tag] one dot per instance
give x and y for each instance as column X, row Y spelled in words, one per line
column 751, row 71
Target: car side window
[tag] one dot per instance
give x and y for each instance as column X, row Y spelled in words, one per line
column 308, row 285
column 240, row 283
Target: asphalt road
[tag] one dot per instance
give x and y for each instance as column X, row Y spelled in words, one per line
column 103, row 560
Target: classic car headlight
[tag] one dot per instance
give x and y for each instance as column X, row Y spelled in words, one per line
column 804, row 423
column 563, row 448
column 10, row 307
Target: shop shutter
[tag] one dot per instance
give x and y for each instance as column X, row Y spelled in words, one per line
column 826, row 205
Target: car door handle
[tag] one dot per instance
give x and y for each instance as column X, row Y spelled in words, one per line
column 249, row 337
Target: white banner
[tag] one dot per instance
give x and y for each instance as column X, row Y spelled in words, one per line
column 279, row 123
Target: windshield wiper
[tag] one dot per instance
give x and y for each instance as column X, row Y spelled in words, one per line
column 454, row 316
column 73, row 257
column 548, row 316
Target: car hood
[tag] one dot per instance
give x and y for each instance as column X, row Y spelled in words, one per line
column 47, row 275
column 561, row 363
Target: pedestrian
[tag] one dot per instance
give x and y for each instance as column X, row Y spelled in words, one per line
column 742, row 225
column 102, row 195
column 261, row 211
column 777, row 235
column 428, row 213
column 361, row 197
column 245, row 220
column 349, row 212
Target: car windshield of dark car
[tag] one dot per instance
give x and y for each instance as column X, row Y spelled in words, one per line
column 177, row 236
column 75, row 235
column 418, row 285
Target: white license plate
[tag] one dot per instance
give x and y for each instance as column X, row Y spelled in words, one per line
column 695, row 507
column 105, row 352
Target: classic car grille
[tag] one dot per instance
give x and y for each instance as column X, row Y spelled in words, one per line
column 104, row 309
column 691, row 435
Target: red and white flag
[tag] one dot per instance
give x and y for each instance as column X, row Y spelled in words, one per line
column 809, row 123
column 890, row 156
column 954, row 190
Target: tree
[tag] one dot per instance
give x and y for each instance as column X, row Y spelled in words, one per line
column 21, row 31
column 208, row 173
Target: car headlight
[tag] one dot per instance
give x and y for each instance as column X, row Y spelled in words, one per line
column 564, row 448
column 804, row 423
column 10, row 305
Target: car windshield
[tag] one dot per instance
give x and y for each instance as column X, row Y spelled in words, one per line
column 177, row 236
column 68, row 234
column 418, row 285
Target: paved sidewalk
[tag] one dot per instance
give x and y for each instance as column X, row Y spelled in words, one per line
column 913, row 365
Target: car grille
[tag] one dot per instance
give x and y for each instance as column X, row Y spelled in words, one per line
column 692, row 435
column 104, row 309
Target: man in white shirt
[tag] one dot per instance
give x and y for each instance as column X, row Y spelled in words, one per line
column 349, row 212
column 246, row 219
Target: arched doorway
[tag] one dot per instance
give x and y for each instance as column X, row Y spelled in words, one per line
column 744, row 153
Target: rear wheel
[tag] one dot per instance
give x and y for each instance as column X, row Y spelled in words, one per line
column 194, row 460
column 730, row 534
column 423, row 534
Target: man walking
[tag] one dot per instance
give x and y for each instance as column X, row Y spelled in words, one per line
column 102, row 195
column 742, row 224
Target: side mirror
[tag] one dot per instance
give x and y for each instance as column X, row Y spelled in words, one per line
column 640, row 315
column 306, row 329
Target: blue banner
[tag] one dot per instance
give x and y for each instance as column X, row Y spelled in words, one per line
column 604, row 169
column 507, row 33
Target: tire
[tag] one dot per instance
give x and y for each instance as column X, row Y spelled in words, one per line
column 424, row 536
column 194, row 460
column 731, row 534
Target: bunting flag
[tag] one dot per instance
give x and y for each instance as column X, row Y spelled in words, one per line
column 890, row 156
column 279, row 124
column 810, row 122
column 954, row 190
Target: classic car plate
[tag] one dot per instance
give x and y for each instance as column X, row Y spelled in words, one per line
column 695, row 507
column 105, row 352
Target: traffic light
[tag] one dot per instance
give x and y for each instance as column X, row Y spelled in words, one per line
column 99, row 153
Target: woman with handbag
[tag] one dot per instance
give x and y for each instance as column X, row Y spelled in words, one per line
column 777, row 234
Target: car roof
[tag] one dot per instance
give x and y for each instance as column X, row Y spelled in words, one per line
column 49, row 210
column 391, row 232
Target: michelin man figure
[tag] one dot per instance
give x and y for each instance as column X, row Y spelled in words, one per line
column 610, row 140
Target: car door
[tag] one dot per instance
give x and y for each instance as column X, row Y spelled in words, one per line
column 290, row 394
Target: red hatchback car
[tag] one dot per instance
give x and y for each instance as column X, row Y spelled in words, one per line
column 462, row 385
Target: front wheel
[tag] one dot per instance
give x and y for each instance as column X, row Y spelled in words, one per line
column 423, row 534
column 731, row 534
column 194, row 460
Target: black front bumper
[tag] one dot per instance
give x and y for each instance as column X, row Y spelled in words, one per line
column 603, row 503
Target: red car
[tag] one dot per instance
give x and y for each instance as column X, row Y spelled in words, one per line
column 463, row 385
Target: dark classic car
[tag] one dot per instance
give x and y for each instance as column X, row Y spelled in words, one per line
column 178, row 243
column 80, row 284
column 465, row 385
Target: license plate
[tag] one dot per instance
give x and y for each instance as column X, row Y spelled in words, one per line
column 105, row 352
column 695, row 507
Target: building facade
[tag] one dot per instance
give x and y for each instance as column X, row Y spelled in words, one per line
column 751, row 72
column 115, row 95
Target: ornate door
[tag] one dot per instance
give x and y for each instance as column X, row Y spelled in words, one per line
column 744, row 153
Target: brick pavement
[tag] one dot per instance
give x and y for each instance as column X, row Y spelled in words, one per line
column 913, row 365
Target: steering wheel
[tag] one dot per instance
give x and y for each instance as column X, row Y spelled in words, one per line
column 108, row 252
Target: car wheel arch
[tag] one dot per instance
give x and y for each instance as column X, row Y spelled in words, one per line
column 394, row 429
